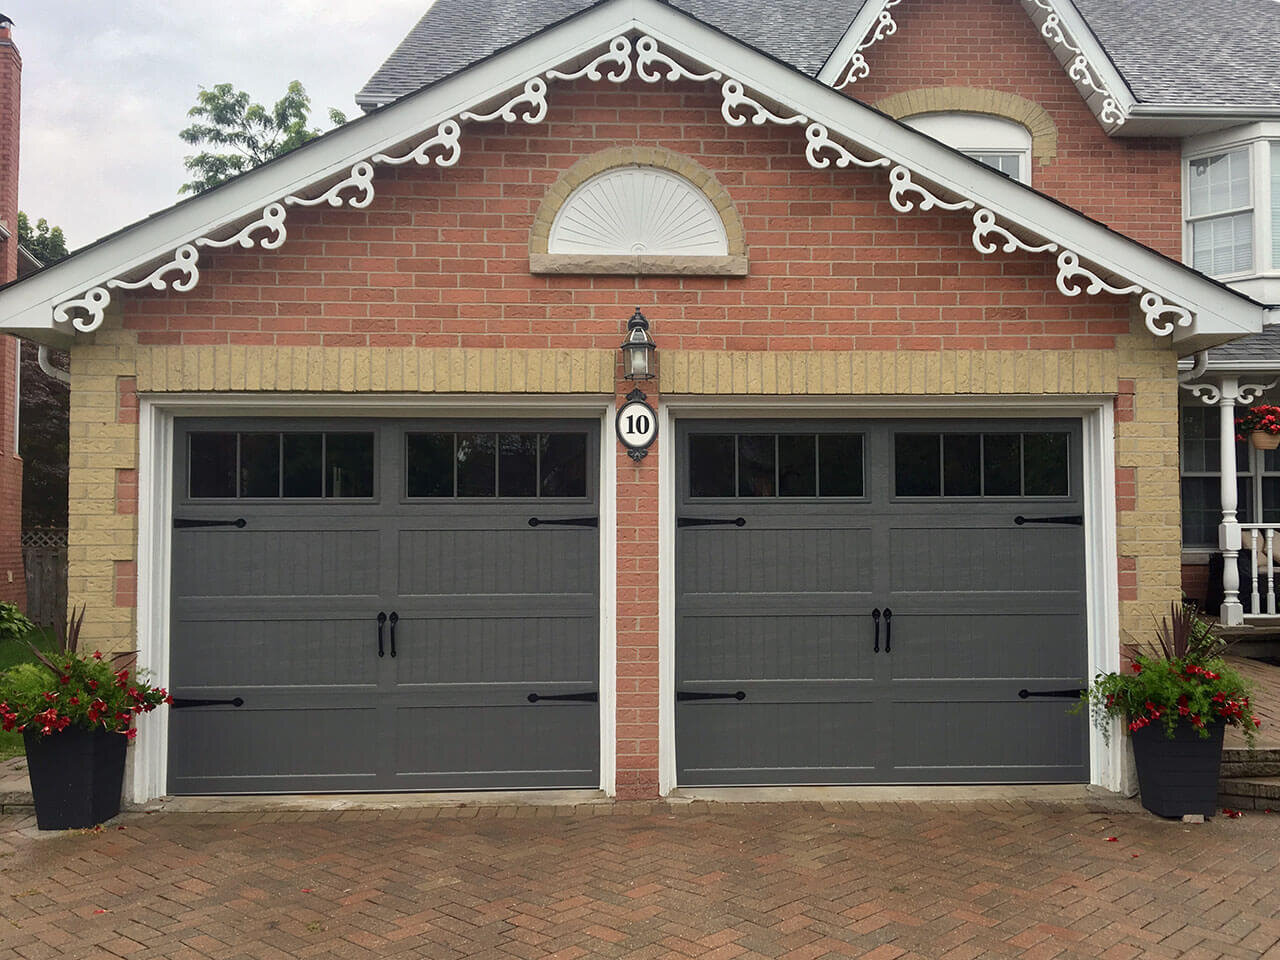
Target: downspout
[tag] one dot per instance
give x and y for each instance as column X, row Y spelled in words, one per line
column 1198, row 367
column 48, row 369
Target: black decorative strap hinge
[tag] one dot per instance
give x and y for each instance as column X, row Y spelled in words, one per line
column 710, row 522
column 239, row 522
column 685, row 695
column 1060, row 694
column 572, row 522
column 592, row 697
column 1074, row 521
column 181, row 703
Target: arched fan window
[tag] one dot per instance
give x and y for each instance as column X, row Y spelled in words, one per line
column 638, row 211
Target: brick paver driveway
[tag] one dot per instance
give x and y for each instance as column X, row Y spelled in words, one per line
column 796, row 881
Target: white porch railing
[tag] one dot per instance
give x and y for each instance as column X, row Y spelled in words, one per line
column 1260, row 540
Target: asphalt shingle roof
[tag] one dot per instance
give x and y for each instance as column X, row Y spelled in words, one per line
column 1168, row 51
column 1258, row 346
column 457, row 33
column 1189, row 51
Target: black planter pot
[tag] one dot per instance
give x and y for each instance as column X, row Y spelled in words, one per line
column 1179, row 776
column 76, row 776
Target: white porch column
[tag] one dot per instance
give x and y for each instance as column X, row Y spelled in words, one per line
column 1232, row 613
column 1226, row 392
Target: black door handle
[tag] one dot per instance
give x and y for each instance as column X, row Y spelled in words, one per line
column 182, row 522
column 181, row 703
column 710, row 522
column 1063, row 694
column 1072, row 521
column 394, row 618
column 875, row 618
column 592, row 697
column 571, row 522
column 888, row 630
column 683, row 695
column 382, row 619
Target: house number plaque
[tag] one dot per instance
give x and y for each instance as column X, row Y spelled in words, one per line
column 637, row 425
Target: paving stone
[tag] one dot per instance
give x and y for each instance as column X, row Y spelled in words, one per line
column 636, row 881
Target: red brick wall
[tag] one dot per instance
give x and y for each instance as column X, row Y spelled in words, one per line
column 13, row 587
column 441, row 257
column 1132, row 184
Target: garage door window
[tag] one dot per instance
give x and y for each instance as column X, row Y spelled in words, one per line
column 512, row 465
column 980, row 464
column 226, row 465
column 776, row 465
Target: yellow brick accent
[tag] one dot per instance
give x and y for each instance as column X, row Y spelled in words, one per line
column 1151, row 533
column 677, row 163
column 170, row 369
column 900, row 373
column 97, row 535
column 996, row 103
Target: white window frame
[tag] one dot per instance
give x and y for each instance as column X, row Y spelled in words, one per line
column 1255, row 139
column 975, row 134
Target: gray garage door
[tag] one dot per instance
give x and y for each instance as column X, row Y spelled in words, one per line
column 865, row 602
column 384, row 605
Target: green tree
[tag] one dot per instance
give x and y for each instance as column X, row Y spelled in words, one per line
column 237, row 134
column 43, row 405
column 46, row 243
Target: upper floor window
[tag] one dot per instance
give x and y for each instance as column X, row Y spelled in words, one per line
column 1231, row 207
column 1220, row 213
column 999, row 143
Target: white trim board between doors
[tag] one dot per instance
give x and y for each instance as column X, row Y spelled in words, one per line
column 147, row 776
column 1101, row 579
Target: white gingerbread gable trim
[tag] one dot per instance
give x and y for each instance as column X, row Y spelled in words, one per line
column 609, row 44
column 1059, row 23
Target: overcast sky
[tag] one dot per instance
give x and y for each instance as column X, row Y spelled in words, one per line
column 107, row 84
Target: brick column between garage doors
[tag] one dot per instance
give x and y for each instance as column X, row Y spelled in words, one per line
column 637, row 614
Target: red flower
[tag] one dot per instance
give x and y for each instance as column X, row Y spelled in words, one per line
column 1137, row 667
column 97, row 654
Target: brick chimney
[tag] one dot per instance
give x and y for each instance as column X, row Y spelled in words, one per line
column 10, row 98
column 13, row 587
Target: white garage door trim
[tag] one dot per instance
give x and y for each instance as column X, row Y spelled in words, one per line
column 148, row 761
column 1102, row 588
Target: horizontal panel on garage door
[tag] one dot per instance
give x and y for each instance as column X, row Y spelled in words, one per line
column 384, row 623
column 871, row 618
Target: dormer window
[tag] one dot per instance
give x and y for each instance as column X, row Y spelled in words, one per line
column 995, row 141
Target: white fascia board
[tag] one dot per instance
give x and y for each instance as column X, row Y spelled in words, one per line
column 29, row 304
column 851, row 41
column 1093, row 52
column 1221, row 314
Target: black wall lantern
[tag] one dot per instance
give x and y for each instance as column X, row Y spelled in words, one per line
column 637, row 423
column 638, row 349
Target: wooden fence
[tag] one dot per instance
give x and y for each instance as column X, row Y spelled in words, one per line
column 44, row 552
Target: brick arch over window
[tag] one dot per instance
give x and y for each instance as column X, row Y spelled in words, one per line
column 1044, row 132
column 734, row 263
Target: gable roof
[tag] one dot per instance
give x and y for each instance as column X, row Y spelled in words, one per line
column 1167, row 52
column 610, row 42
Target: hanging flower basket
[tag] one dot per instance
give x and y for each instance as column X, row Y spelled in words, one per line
column 1261, row 424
